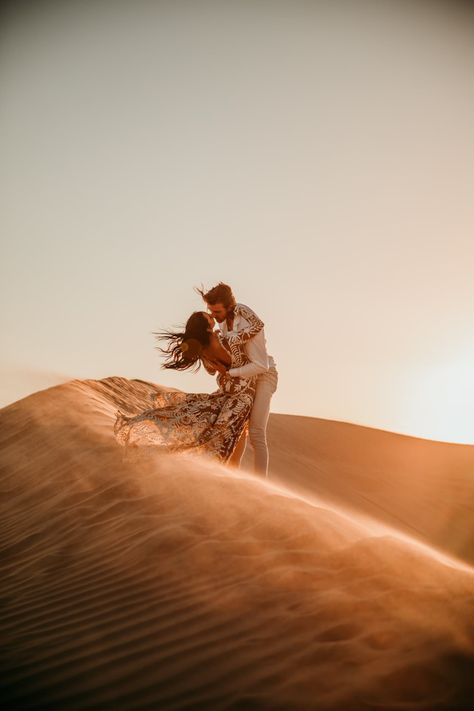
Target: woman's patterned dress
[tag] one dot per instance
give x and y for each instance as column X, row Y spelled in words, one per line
column 208, row 423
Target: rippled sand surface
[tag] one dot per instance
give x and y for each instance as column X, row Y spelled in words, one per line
column 169, row 582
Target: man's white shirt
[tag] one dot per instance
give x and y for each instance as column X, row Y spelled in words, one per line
column 255, row 347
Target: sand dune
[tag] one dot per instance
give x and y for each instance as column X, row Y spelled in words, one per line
column 422, row 487
column 170, row 582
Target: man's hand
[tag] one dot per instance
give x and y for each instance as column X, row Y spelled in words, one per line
column 221, row 368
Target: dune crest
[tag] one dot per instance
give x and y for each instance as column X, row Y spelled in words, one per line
column 171, row 581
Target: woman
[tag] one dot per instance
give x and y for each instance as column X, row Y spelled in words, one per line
column 209, row 423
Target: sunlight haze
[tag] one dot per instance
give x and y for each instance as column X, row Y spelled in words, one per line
column 318, row 157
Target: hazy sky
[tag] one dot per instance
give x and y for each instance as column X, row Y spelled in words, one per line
column 317, row 156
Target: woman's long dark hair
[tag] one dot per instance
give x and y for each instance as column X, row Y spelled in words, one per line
column 183, row 348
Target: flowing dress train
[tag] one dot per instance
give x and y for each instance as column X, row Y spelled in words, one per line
column 210, row 423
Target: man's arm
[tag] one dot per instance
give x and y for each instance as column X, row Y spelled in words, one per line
column 245, row 334
column 258, row 356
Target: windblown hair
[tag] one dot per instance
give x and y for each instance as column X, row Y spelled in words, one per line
column 183, row 348
column 220, row 294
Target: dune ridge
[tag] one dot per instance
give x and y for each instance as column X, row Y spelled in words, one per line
column 172, row 582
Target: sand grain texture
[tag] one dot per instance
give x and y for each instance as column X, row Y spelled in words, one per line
column 170, row 582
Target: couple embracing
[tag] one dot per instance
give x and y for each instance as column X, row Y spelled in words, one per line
column 214, row 423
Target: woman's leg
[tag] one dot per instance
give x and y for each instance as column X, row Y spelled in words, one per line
column 236, row 457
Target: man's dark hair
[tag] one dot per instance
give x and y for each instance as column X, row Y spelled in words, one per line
column 220, row 294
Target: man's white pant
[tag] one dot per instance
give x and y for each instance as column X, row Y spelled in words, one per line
column 266, row 385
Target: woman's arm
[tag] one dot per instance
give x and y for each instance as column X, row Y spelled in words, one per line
column 208, row 366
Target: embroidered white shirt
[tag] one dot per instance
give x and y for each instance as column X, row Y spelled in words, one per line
column 255, row 347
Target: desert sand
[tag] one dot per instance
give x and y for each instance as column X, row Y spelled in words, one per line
column 343, row 581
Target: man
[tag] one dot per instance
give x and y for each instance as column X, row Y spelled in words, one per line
column 235, row 318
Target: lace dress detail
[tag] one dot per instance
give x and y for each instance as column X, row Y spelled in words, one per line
column 208, row 423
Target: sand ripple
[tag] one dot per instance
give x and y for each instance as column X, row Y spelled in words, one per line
column 168, row 582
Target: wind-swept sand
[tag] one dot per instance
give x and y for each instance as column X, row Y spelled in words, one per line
column 170, row 582
column 19, row 381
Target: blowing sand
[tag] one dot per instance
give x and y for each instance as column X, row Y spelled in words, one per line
column 170, row 582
